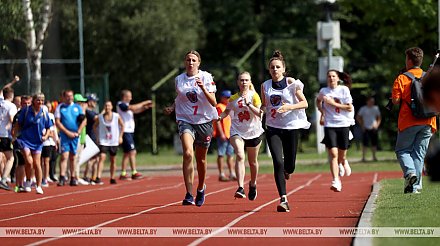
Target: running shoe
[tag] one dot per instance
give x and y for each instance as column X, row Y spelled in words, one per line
column 87, row 179
column 19, row 189
column 252, row 194
column 347, row 168
column 200, row 198
column 341, row 170
column 62, row 181
column 222, row 178
column 124, row 177
column 286, row 175
column 83, row 182
column 97, row 181
column 189, row 199
column 284, row 205
column 27, row 186
column 4, row 186
column 137, row 176
column 336, row 186
column 73, row 182
column 54, row 179
column 44, row 183
column 410, row 180
column 112, row 181
column 39, row 190
column 240, row 193
column 233, row 177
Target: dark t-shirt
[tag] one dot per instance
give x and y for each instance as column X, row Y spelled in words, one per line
column 90, row 115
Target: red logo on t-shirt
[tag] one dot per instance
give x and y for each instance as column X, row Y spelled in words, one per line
column 244, row 116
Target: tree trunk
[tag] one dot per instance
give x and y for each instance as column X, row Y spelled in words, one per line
column 35, row 39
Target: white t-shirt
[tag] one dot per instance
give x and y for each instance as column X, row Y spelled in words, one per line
column 369, row 115
column 293, row 119
column 7, row 112
column 192, row 106
column 244, row 122
column 126, row 115
column 50, row 141
column 108, row 131
column 336, row 117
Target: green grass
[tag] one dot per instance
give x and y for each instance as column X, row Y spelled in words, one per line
column 395, row 209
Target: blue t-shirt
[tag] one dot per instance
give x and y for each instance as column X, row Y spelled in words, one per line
column 68, row 115
column 32, row 125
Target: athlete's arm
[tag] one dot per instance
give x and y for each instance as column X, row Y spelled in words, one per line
column 121, row 129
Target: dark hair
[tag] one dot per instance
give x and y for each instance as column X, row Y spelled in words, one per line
column 415, row 55
column 8, row 92
column 431, row 83
column 277, row 56
column 344, row 77
column 67, row 91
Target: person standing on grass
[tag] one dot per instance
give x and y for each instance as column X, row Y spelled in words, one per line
column 70, row 120
column 195, row 111
column 246, row 132
column 7, row 113
column 34, row 125
column 221, row 132
column 284, row 103
column 109, row 128
column 335, row 104
column 127, row 111
column 369, row 119
column 414, row 133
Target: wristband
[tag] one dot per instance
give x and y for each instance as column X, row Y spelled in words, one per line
column 248, row 104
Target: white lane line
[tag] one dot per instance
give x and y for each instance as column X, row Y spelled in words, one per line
column 201, row 239
column 90, row 203
column 122, row 218
column 375, row 177
column 69, row 193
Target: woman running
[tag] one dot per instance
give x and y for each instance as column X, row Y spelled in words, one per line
column 34, row 124
column 246, row 132
column 335, row 104
column 195, row 110
column 285, row 105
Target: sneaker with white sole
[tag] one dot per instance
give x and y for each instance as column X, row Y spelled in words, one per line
column 200, row 197
column 240, row 193
column 82, row 182
column 336, row 186
column 284, row 205
column 189, row 199
column 347, row 168
column 27, row 186
column 39, row 190
column 44, row 183
column 410, row 180
column 341, row 170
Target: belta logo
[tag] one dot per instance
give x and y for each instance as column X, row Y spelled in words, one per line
column 275, row 100
column 192, row 96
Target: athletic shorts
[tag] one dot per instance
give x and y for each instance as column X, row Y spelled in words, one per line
column 69, row 145
column 201, row 133
column 47, row 151
column 370, row 136
column 253, row 142
column 224, row 148
column 128, row 142
column 336, row 137
column 18, row 157
column 112, row 150
column 5, row 144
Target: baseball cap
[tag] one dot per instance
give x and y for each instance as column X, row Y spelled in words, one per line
column 226, row 93
column 92, row 97
column 79, row 98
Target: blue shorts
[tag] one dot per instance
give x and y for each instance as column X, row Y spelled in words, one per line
column 224, row 147
column 24, row 144
column 128, row 142
column 68, row 144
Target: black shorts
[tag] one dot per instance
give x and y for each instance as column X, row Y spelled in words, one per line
column 128, row 142
column 19, row 158
column 112, row 150
column 5, row 144
column 336, row 137
column 254, row 142
column 370, row 136
column 47, row 151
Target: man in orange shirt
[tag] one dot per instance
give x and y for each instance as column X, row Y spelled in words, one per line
column 414, row 133
column 222, row 134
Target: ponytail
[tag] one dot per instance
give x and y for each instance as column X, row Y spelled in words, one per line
column 344, row 77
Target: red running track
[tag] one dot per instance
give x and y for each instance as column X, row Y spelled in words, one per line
column 155, row 202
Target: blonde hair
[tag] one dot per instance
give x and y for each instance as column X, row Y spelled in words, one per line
column 194, row 52
column 251, row 86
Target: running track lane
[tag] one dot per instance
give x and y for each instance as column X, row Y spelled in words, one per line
column 313, row 205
